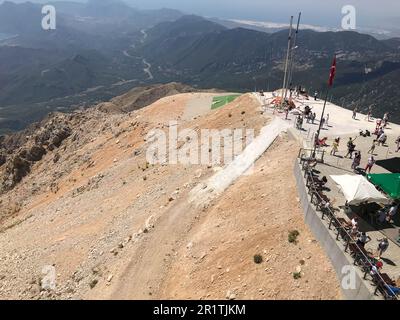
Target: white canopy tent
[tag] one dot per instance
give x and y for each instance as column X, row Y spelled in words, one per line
column 357, row 189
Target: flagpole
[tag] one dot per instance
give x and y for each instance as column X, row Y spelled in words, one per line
column 316, row 139
column 330, row 83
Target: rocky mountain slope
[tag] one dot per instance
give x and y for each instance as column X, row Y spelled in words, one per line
column 92, row 213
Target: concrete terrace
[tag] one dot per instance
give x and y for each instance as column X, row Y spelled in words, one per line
column 342, row 125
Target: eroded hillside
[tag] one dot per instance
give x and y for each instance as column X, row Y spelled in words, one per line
column 112, row 225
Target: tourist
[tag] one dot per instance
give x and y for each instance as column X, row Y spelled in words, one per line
column 327, row 120
column 369, row 114
column 363, row 239
column 335, row 146
column 370, row 164
column 398, row 144
column 354, row 227
column 372, row 149
column 382, row 139
column 355, row 113
column 354, row 222
column 307, row 113
column 314, row 115
column 322, row 142
column 374, row 271
column 354, row 232
column 299, row 122
column 385, row 119
column 350, row 148
column 381, row 216
column 379, row 264
column 392, row 212
column 322, row 122
column 356, row 160
column 315, row 95
column 380, row 131
column 378, row 125
column 382, row 247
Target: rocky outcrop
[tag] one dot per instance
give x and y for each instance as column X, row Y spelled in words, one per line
column 144, row 96
column 3, row 159
column 21, row 151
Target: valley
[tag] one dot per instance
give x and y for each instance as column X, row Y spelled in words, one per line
column 147, row 47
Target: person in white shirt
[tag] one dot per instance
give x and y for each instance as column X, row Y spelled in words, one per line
column 370, row 164
column 354, row 222
column 382, row 139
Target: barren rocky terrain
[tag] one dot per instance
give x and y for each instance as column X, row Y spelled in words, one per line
column 78, row 194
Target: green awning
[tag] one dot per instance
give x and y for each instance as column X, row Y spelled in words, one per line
column 388, row 182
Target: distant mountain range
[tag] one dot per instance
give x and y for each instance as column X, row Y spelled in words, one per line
column 272, row 27
column 103, row 48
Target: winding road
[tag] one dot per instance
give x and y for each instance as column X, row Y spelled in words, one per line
column 147, row 69
column 147, row 65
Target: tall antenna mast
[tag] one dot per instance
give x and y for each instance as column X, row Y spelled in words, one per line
column 284, row 90
column 291, row 64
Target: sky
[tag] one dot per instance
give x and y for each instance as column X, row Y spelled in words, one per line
column 381, row 14
column 369, row 13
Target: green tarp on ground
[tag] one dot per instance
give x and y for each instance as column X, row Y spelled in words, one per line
column 219, row 102
column 388, row 182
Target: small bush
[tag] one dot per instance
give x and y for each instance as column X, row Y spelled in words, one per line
column 292, row 237
column 258, row 259
column 296, row 275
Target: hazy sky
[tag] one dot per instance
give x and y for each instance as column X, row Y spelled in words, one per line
column 370, row 13
column 382, row 14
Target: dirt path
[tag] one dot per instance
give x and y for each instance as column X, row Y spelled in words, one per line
column 144, row 275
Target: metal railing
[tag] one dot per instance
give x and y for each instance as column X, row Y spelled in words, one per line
column 358, row 254
column 307, row 154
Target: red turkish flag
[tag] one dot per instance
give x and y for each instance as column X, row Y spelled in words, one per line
column 333, row 72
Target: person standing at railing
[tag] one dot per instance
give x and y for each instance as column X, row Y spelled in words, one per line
column 363, row 239
column 392, row 212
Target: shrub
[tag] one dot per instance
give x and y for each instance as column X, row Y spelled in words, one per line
column 292, row 237
column 296, row 275
column 258, row 259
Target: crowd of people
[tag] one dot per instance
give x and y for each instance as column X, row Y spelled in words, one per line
column 387, row 214
column 379, row 139
column 375, row 256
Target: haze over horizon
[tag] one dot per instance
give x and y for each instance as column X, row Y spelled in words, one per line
column 370, row 13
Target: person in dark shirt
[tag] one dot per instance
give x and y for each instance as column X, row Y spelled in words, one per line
column 363, row 239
